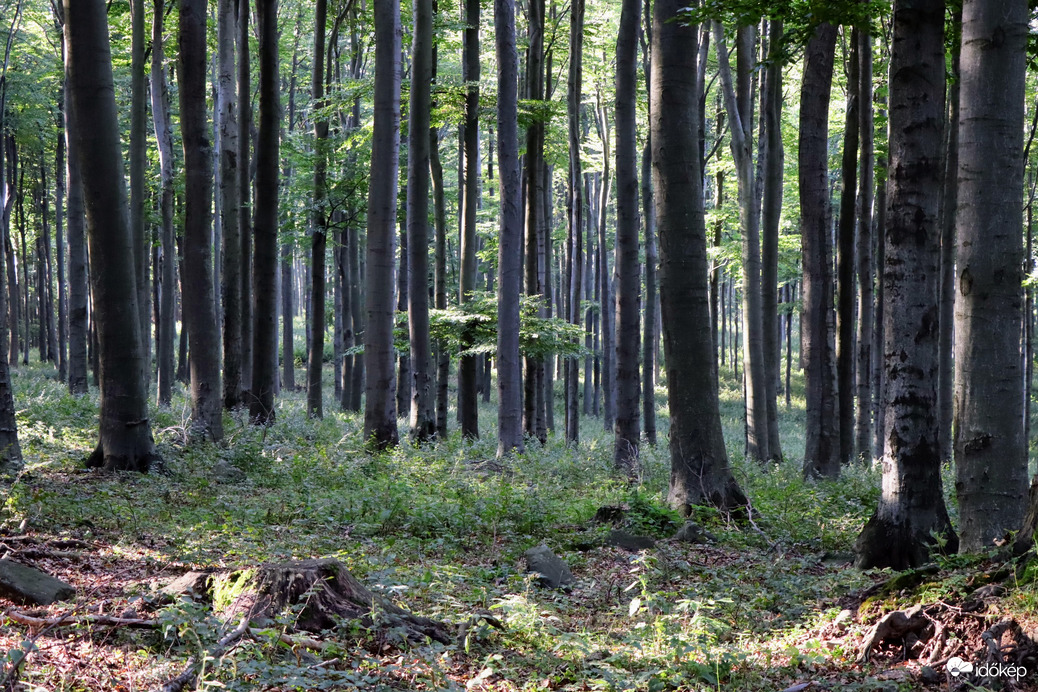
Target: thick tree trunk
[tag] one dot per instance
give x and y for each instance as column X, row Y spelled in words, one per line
column 990, row 449
column 822, row 450
column 125, row 432
column 468, row 381
column 230, row 185
column 510, row 234
column 699, row 461
column 911, row 517
column 264, row 274
column 866, row 291
column 380, row 403
column 166, row 279
column 628, row 429
column 199, row 306
column 319, row 244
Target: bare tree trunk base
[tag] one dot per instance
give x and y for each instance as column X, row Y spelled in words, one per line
column 885, row 542
column 98, row 459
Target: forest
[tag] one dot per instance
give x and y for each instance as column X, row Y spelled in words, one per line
column 518, row 345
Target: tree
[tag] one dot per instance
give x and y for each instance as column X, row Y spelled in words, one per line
column 423, row 420
column 125, row 431
column 10, row 450
column 625, row 440
column 138, row 156
column 319, row 244
column 574, row 210
column 264, row 274
column 231, row 288
column 990, row 449
column 699, row 462
column 911, row 517
column 198, row 291
column 245, row 236
column 380, row 404
column 509, row 262
column 468, row 413
column 821, row 453
column 866, row 278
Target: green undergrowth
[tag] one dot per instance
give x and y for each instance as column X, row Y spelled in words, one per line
column 442, row 528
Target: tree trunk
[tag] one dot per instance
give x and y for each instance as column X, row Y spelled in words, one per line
column 10, row 450
column 607, row 309
column 380, row 403
column 14, row 294
column 160, row 108
column 468, row 385
column 264, row 274
column 990, row 449
column 879, row 399
column 911, row 517
column 510, row 234
column 866, row 291
column 822, row 450
column 699, row 461
column 59, row 241
column 443, row 357
column 574, row 210
column 628, row 429
column 230, row 205
column 77, row 266
column 138, row 157
column 245, row 201
column 319, row 220
column 125, row 432
column 199, row 307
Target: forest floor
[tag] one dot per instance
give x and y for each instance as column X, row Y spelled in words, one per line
column 770, row 604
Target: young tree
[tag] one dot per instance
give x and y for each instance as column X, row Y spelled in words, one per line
column 574, row 210
column 198, row 292
column 699, row 461
column 125, row 431
column 229, row 204
column 866, row 291
column 625, row 441
column 319, row 244
column 911, row 516
column 380, row 403
column 138, row 156
column 245, row 197
column 423, row 421
column 822, row 447
column 990, row 449
column 468, row 413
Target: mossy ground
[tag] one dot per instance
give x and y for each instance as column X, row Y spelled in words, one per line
column 442, row 528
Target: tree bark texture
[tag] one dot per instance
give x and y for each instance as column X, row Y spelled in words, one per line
column 231, row 288
column 468, row 382
column 319, row 240
column 866, row 274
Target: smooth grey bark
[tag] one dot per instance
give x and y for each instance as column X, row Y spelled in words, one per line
column 422, row 411
column 125, row 431
column 160, row 109
column 574, row 211
column 138, row 155
column 443, row 357
column 319, row 223
column 198, row 290
column 990, row 449
column 822, row 450
column 604, row 282
column 699, row 462
column 468, row 380
column 739, row 106
column 878, row 401
column 77, row 265
column 845, row 259
column 628, row 429
column 866, row 278
column 59, row 242
column 911, row 519
column 265, row 235
column 651, row 319
column 380, row 429
column 230, row 208
column 771, row 213
column 245, row 180
column 509, row 257
column 10, row 450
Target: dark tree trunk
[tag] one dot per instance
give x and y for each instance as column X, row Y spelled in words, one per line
column 288, row 355
column 574, row 210
column 125, row 432
column 59, row 242
column 230, row 205
column 866, row 290
column 990, row 448
column 468, row 413
column 10, row 450
column 245, row 200
column 911, row 517
column 199, row 306
column 822, row 450
column 319, row 244
column 264, row 274
column 699, row 461
column 380, row 403
column 138, row 156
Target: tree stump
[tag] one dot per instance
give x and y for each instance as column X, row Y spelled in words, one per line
column 328, row 594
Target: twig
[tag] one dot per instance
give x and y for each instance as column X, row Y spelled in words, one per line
column 69, row 619
column 290, row 640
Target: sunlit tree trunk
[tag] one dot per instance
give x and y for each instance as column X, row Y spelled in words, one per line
column 229, row 204
column 138, row 157
column 468, row 413
column 574, row 210
column 245, row 179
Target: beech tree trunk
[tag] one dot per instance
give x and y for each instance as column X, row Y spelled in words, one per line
column 138, row 156
column 245, row 200
column 319, row 240
column 199, row 306
column 77, row 262
column 699, row 462
column 990, row 448
column 380, row 402
column 230, row 205
column 468, row 381
column 866, row 290
column 574, row 211
column 911, row 517
column 125, row 431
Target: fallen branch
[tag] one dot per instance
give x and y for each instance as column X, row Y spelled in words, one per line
column 293, row 641
column 193, row 664
column 70, row 620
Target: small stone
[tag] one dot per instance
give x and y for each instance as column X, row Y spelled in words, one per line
column 226, row 472
column 692, row 532
column 551, row 570
column 629, row 541
column 929, row 676
column 843, row 617
column 194, row 585
column 610, row 514
column 23, row 584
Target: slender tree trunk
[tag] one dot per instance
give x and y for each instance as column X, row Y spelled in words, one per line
column 574, row 210
column 605, row 286
column 264, row 274
column 879, row 397
column 822, row 450
column 699, row 462
column 468, row 413
column 125, row 432
column 357, row 306
column 14, row 293
column 628, row 429
column 319, row 220
column 443, row 357
column 59, row 242
column 199, row 306
column 911, row 517
column 990, row 449
column 245, row 200
column 230, row 205
column 380, row 404
column 10, row 450
column 138, row 156
column 866, row 291
column 77, row 266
